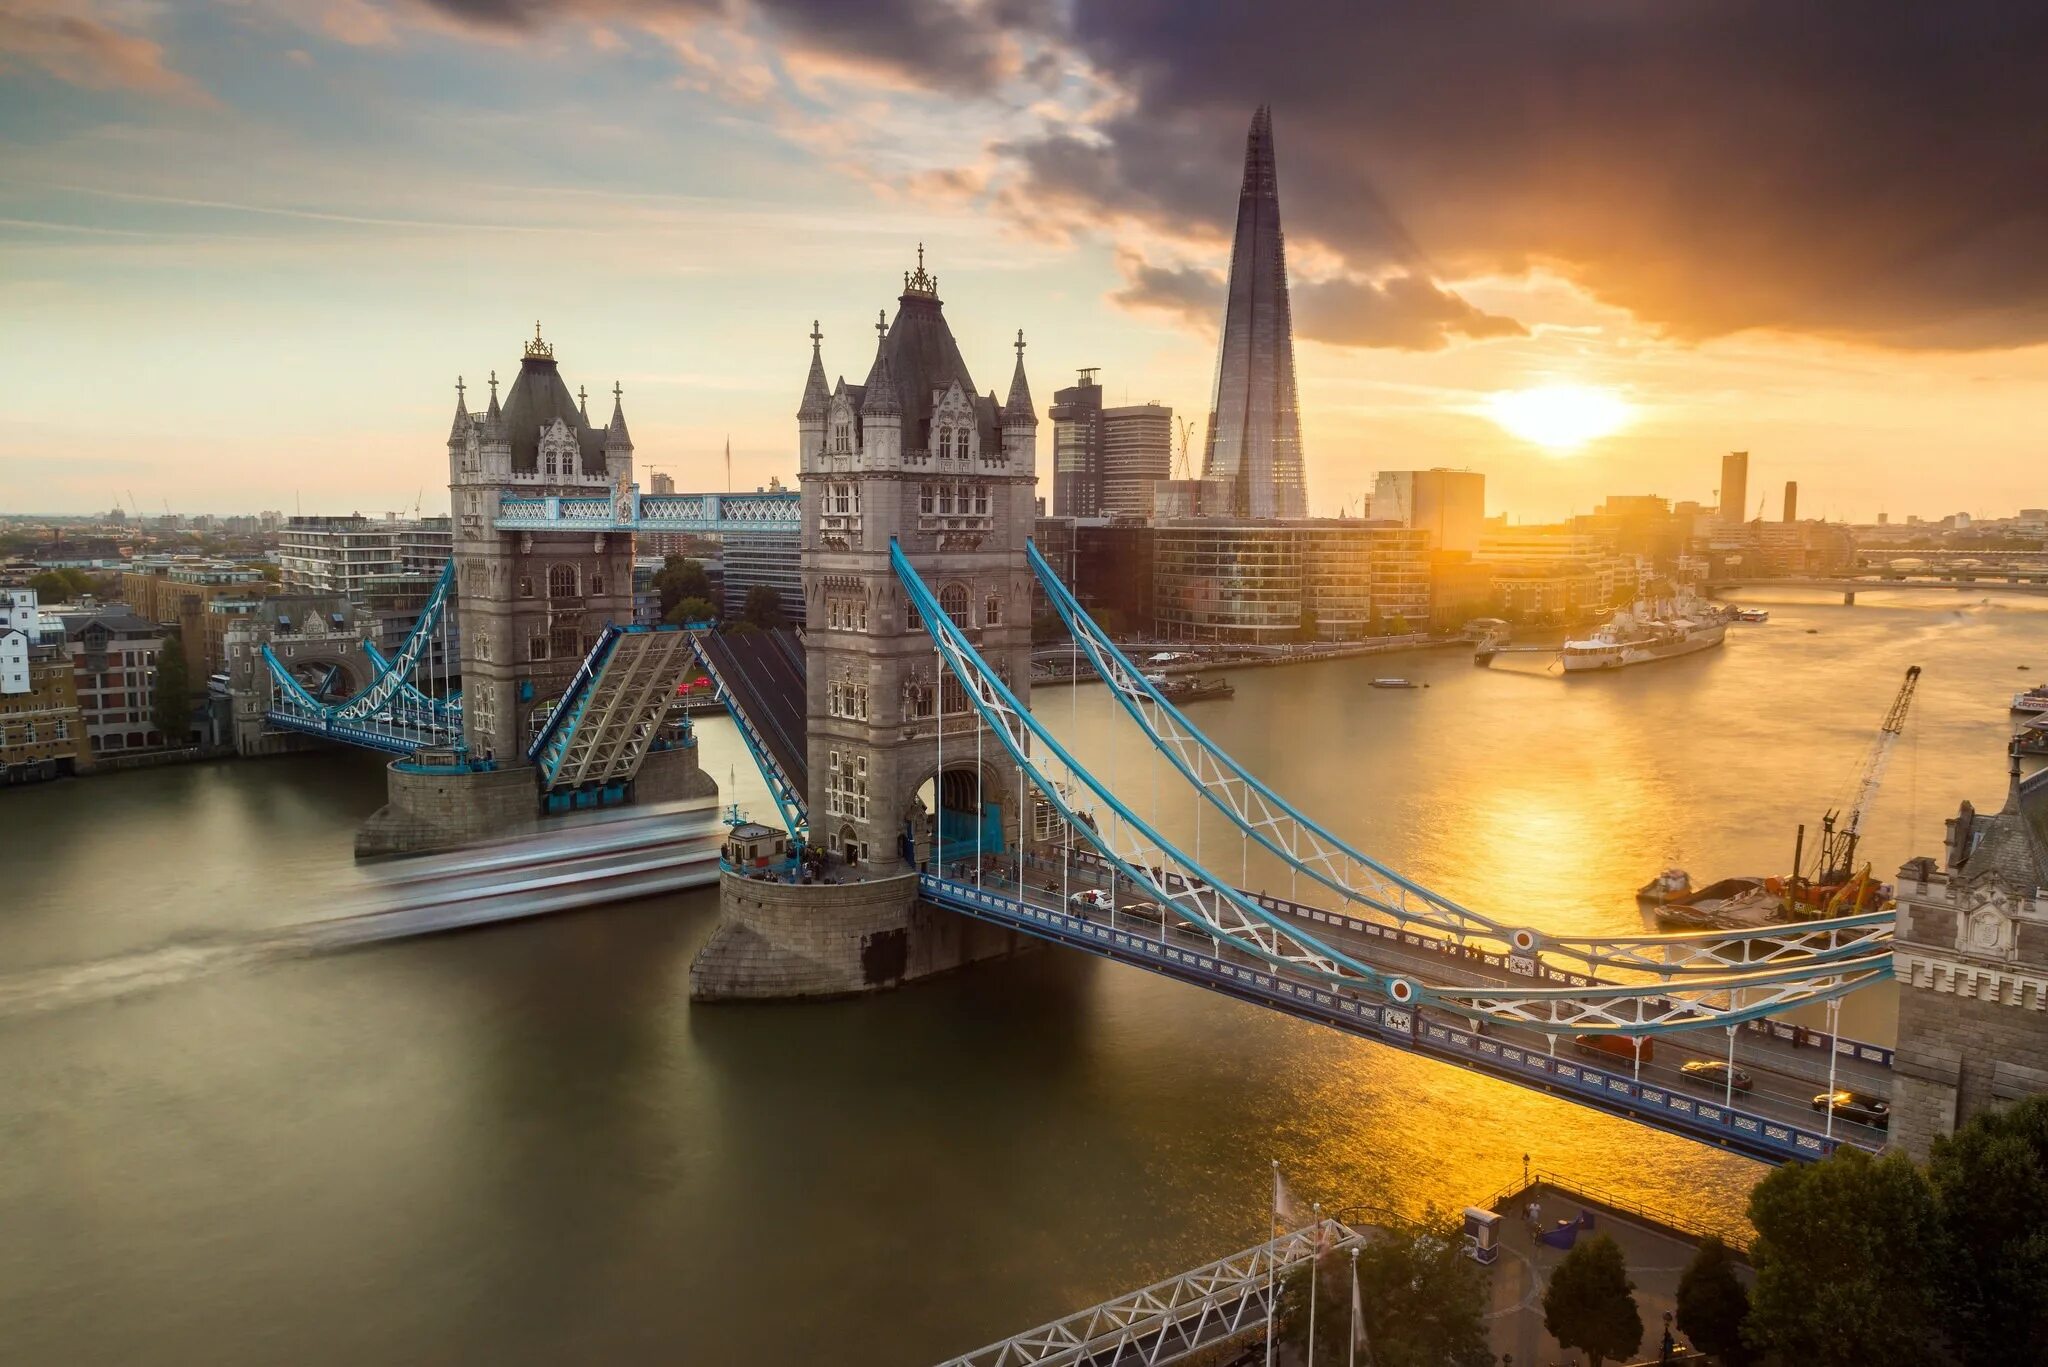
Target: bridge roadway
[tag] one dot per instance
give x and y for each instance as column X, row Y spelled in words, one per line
column 1774, row 1121
column 2024, row 581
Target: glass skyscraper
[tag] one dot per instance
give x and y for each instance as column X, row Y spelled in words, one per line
column 1254, row 442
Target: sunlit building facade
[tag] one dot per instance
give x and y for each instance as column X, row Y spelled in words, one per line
column 1253, row 583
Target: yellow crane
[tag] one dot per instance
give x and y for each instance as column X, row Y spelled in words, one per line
column 1834, row 866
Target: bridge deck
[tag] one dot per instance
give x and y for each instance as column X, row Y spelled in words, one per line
column 1774, row 1121
column 764, row 676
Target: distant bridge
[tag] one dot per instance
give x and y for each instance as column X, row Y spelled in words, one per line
column 1952, row 581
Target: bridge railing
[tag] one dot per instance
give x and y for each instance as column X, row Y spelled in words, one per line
column 1163, row 1320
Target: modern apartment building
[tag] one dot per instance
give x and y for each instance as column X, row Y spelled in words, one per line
column 343, row 554
column 1274, row 582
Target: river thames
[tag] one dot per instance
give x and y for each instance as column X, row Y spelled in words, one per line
column 524, row 1145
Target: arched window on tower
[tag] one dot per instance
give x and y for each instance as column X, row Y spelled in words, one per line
column 561, row 581
column 945, row 443
column 953, row 598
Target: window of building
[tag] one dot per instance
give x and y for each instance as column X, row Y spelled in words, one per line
column 526, row 586
column 596, row 583
column 561, row 581
column 980, row 500
column 945, row 443
column 63, row 728
column 926, row 496
column 563, row 641
column 992, row 611
column 537, row 648
column 953, row 598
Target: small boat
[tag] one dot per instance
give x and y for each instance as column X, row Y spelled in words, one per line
column 1752, row 614
column 1666, row 886
column 1395, row 683
column 1191, row 690
column 2034, row 699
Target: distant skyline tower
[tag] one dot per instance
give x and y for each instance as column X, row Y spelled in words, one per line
column 1734, row 486
column 1254, row 440
column 1791, row 500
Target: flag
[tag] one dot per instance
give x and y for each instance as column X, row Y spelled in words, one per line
column 1286, row 1212
column 1358, row 1339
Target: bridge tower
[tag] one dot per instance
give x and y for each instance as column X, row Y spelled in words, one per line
column 1972, row 964
column 912, row 454
column 532, row 604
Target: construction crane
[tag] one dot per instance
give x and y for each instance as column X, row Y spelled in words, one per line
column 1181, row 468
column 1834, row 864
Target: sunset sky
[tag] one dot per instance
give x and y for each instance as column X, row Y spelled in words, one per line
column 247, row 246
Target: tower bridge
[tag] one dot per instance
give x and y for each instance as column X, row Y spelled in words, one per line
column 939, row 822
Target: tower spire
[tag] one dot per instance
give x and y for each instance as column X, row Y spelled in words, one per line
column 1254, row 421
column 1017, row 408
column 817, row 394
column 881, row 398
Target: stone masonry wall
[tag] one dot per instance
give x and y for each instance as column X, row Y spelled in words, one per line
column 437, row 810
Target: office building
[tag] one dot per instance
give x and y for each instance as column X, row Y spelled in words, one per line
column 660, row 483
column 751, row 559
column 1137, row 453
column 343, row 554
column 1267, row 582
column 1254, row 439
column 1448, row 504
column 41, row 734
column 1077, row 448
column 113, row 663
column 1734, row 486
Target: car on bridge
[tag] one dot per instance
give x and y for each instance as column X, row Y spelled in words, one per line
column 1857, row 1106
column 1714, row 1073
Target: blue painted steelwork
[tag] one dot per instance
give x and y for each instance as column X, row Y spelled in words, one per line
column 1403, row 1027
column 1837, row 939
column 1623, row 1009
column 633, row 511
column 570, row 705
column 389, row 713
column 790, row 802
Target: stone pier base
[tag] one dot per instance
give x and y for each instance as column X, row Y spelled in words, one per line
column 781, row 940
column 437, row 809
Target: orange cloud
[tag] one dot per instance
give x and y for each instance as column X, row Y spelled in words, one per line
column 71, row 41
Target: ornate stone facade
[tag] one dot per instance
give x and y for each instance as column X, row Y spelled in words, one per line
column 915, row 455
column 1972, row 960
column 533, row 603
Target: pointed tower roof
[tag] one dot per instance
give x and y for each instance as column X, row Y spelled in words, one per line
column 458, row 431
column 879, row 397
column 1017, row 411
column 817, row 396
column 494, row 416
column 615, row 433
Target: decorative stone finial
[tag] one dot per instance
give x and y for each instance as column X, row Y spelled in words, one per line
column 494, row 386
column 459, row 387
column 537, row 350
column 919, row 282
column 817, row 337
column 1020, row 344
column 881, row 324
column 618, row 391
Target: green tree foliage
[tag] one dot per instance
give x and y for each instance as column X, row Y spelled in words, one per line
column 1847, row 1261
column 689, row 610
column 1332, row 1309
column 271, row 573
column 1990, row 1181
column 171, row 698
column 1713, row 1303
column 1588, row 1304
column 678, row 578
column 1397, row 625
column 763, row 607
column 61, row 585
column 1424, row 1300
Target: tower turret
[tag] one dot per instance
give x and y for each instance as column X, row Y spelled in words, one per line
column 881, row 407
column 618, row 444
column 811, row 413
column 495, row 439
column 1020, row 421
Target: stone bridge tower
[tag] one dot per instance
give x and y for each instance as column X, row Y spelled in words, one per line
column 1972, row 957
column 916, row 454
column 913, row 454
column 533, row 603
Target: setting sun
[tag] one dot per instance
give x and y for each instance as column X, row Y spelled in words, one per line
column 1560, row 417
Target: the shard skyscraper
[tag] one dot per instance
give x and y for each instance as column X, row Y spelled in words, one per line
column 1254, row 441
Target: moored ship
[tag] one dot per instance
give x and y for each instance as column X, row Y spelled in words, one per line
column 1640, row 635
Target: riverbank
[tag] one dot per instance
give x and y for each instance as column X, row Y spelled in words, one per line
column 1047, row 671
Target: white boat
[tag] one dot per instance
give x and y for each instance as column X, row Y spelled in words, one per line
column 1640, row 635
column 1395, row 683
column 1752, row 614
column 2034, row 699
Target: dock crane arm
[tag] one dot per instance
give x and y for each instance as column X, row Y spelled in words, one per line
column 1880, row 751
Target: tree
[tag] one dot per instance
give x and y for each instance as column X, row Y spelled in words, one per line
column 1397, row 625
column 1332, row 1308
column 689, row 610
column 1990, row 1180
column 763, row 607
column 678, row 578
column 60, row 585
column 1713, row 1303
column 271, row 573
column 1846, row 1259
column 1424, row 1300
column 1588, row 1304
column 171, row 699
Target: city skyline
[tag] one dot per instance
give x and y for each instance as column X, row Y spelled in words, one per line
column 321, row 218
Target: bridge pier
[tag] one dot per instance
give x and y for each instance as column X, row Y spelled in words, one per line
column 781, row 940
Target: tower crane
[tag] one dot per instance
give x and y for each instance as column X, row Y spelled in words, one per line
column 1181, row 468
column 1834, row 863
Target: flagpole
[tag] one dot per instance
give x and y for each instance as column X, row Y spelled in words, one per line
column 1315, row 1256
column 1354, row 1307
column 1272, row 1219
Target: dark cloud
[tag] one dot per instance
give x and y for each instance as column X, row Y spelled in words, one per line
column 1875, row 172
column 934, row 43
column 1404, row 311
